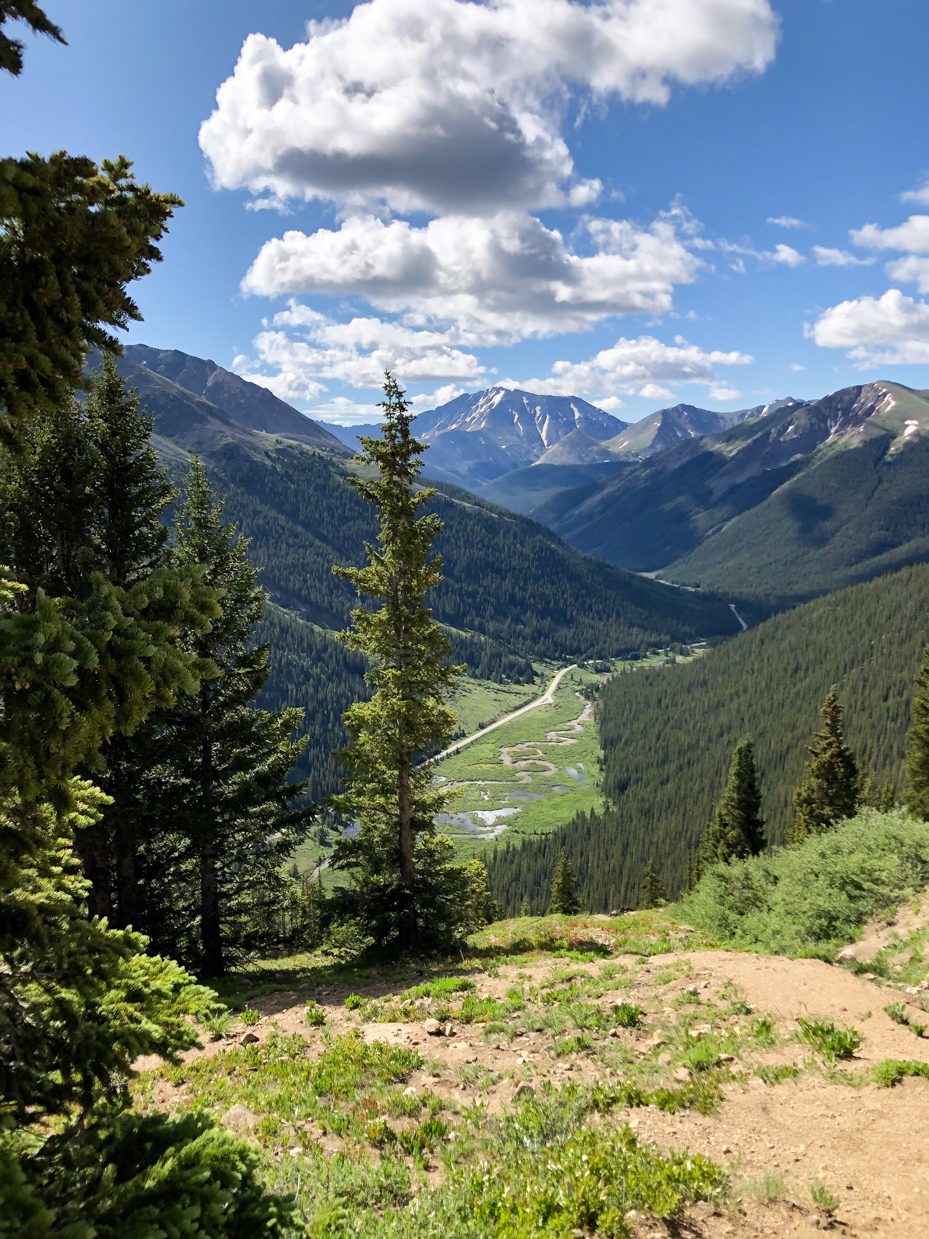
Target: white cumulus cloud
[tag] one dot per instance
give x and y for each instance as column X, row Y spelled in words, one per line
column 786, row 256
column 641, row 367
column 455, row 106
column 787, row 221
column 911, row 237
column 877, row 331
column 919, row 195
column 299, row 349
column 498, row 279
column 912, row 269
column 826, row 257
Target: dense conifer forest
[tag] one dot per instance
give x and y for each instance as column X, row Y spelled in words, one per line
column 668, row 736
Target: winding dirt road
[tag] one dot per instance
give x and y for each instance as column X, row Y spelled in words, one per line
column 546, row 699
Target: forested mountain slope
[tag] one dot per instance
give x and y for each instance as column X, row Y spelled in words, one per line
column 808, row 498
column 668, row 734
column 513, row 592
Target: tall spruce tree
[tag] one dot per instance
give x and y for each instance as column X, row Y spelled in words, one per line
column 564, row 900
column 85, row 515
column 653, row 893
column 831, row 786
column 916, row 794
column 217, row 769
column 79, row 1001
column 406, row 887
column 737, row 827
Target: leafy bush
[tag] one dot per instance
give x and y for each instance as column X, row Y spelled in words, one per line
column 891, row 1071
column 353, row 1002
column 831, row 1041
column 249, row 1017
column 627, row 1015
column 813, row 898
column 442, row 987
column 772, row 1074
column 897, row 1012
column 315, row 1016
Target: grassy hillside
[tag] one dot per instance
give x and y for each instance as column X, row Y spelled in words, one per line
column 668, row 734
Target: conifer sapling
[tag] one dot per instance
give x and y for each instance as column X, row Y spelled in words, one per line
column 831, row 786
column 564, row 901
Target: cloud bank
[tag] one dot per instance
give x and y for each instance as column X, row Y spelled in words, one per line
column 458, row 107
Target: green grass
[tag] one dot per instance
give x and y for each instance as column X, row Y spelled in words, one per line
column 489, row 785
column 890, row 1071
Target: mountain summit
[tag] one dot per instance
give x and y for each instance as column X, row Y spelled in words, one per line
column 481, row 435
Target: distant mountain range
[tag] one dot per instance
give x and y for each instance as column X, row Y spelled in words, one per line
column 480, row 436
column 805, row 498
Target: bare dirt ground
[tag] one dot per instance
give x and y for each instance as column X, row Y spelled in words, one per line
column 868, row 1145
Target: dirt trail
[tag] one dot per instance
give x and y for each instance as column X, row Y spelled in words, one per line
column 869, row 1146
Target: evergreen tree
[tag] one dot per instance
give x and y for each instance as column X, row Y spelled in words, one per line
column 524, row 908
column 564, row 900
column 399, row 864
column 737, row 828
column 916, row 795
column 78, row 1001
column 831, row 785
column 217, row 786
column 653, row 894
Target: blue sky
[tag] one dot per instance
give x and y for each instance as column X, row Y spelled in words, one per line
column 569, row 197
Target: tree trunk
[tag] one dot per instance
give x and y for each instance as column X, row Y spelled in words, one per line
column 405, row 827
column 96, row 858
column 211, row 942
column 211, row 939
column 127, row 903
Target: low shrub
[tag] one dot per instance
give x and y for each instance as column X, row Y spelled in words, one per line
column 890, row 1071
column 811, row 899
column 830, row 1040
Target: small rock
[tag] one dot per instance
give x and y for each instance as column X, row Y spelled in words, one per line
column 450, row 1030
column 614, row 1032
column 239, row 1119
column 433, row 1028
column 524, row 1090
column 409, row 1092
column 726, row 1149
column 296, row 1151
column 249, row 1039
column 682, row 1074
column 912, row 989
column 665, row 1060
column 846, row 955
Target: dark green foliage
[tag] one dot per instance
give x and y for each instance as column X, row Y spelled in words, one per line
column 564, row 900
column 813, row 898
column 27, row 11
column 398, row 863
column 668, row 736
column 916, row 794
column 209, row 786
column 97, row 633
column 72, row 236
column 653, row 893
column 831, row 785
column 737, row 827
